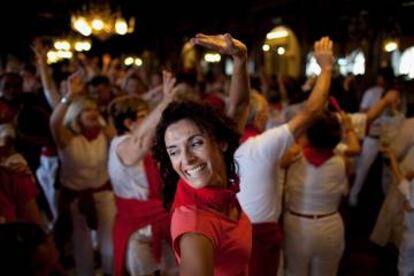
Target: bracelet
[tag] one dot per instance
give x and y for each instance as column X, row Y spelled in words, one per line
column 65, row 100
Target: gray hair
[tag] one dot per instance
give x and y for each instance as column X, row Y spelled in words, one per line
column 71, row 120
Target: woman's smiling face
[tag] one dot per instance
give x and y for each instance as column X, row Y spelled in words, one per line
column 195, row 155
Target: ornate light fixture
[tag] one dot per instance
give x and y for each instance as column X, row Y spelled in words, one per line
column 65, row 48
column 97, row 19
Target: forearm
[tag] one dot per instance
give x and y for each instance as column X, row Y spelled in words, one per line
column 56, row 124
column 352, row 143
column 49, row 87
column 239, row 93
column 319, row 95
column 313, row 105
column 376, row 110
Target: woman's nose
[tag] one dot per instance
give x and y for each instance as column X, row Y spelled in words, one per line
column 188, row 157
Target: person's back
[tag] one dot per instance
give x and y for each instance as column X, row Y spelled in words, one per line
column 316, row 190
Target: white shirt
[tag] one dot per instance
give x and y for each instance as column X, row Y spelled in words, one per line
column 404, row 140
column 128, row 182
column 359, row 123
column 260, row 195
column 84, row 163
column 316, row 190
column 370, row 98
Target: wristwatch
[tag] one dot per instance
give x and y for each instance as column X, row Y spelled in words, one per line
column 65, row 100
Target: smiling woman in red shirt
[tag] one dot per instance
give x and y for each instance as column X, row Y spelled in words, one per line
column 195, row 147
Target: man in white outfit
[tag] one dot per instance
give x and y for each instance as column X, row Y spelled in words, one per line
column 371, row 143
column 260, row 195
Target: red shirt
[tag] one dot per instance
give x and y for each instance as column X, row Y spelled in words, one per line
column 231, row 239
column 16, row 190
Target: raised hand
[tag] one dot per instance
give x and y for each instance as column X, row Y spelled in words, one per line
column 168, row 82
column 224, row 44
column 39, row 49
column 324, row 53
column 76, row 85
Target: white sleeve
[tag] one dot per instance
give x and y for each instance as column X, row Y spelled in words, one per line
column 271, row 144
column 407, row 190
column 404, row 139
column 340, row 149
column 359, row 123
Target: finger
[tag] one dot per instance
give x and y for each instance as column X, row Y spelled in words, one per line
column 228, row 39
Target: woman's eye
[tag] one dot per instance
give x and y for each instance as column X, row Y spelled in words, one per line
column 196, row 143
column 172, row 153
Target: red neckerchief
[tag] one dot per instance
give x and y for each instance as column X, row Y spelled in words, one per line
column 217, row 198
column 91, row 133
column 249, row 132
column 316, row 156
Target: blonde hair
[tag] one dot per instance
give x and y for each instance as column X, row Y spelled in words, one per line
column 71, row 120
column 257, row 103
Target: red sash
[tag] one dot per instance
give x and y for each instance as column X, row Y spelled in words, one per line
column 315, row 156
column 266, row 246
column 134, row 214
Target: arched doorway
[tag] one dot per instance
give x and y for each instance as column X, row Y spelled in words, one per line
column 281, row 52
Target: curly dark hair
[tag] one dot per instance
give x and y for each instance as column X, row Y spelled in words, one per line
column 219, row 127
column 325, row 131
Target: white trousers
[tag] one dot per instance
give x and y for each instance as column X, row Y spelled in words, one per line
column 370, row 148
column 406, row 256
column 140, row 258
column 313, row 247
column 81, row 238
column 46, row 176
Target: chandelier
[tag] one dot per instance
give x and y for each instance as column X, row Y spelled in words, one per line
column 98, row 20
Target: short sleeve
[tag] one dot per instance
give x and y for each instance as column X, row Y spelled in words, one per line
column 341, row 149
column 407, row 190
column 193, row 220
column 270, row 145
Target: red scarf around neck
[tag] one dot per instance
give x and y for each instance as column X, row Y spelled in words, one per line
column 92, row 133
column 217, row 198
column 316, row 156
column 249, row 132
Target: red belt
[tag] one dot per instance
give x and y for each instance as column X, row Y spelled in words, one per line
column 311, row 216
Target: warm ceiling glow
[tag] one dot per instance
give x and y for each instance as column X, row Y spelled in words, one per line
column 100, row 21
column 62, row 45
column 391, row 46
column 81, row 25
column 281, row 51
column 121, row 27
column 265, row 47
column 81, row 46
column 128, row 61
column 212, row 57
column 277, row 34
column 97, row 24
column 138, row 62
